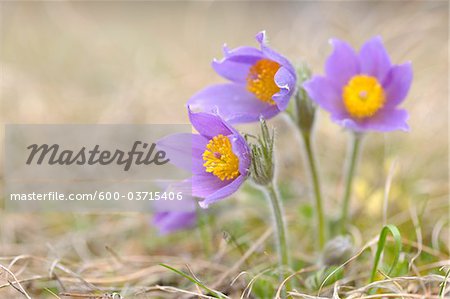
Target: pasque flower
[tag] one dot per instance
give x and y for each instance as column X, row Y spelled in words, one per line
column 218, row 157
column 172, row 216
column 170, row 221
column 262, row 82
column 362, row 90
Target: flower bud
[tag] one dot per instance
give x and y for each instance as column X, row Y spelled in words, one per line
column 337, row 251
column 304, row 108
column 262, row 166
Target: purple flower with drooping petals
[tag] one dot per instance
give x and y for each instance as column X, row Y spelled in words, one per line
column 262, row 82
column 171, row 221
column 169, row 218
column 218, row 157
column 173, row 215
column 361, row 91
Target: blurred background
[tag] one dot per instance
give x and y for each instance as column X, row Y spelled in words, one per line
column 139, row 62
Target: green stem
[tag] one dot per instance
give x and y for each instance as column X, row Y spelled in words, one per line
column 205, row 231
column 350, row 173
column 321, row 225
column 277, row 210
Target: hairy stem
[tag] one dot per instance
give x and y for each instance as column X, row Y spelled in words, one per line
column 205, row 232
column 350, row 174
column 315, row 180
column 277, row 211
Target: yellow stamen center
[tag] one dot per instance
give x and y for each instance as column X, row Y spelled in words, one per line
column 220, row 159
column 260, row 80
column 363, row 96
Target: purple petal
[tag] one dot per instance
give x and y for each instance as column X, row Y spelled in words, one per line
column 286, row 82
column 208, row 124
column 199, row 185
column 342, row 64
column 236, row 64
column 397, row 84
column 242, row 151
column 374, row 60
column 384, row 121
column 203, row 185
column 168, row 222
column 184, row 150
column 232, row 102
column 223, row 192
column 388, row 120
column 325, row 94
column 271, row 54
column 186, row 204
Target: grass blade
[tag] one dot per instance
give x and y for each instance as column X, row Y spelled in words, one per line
column 381, row 244
column 194, row 280
column 444, row 284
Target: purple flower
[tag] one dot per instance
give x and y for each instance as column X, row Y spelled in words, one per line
column 218, row 157
column 361, row 91
column 169, row 219
column 262, row 82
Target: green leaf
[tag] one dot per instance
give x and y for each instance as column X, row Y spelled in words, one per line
column 381, row 245
column 324, row 277
column 264, row 286
column 51, row 292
